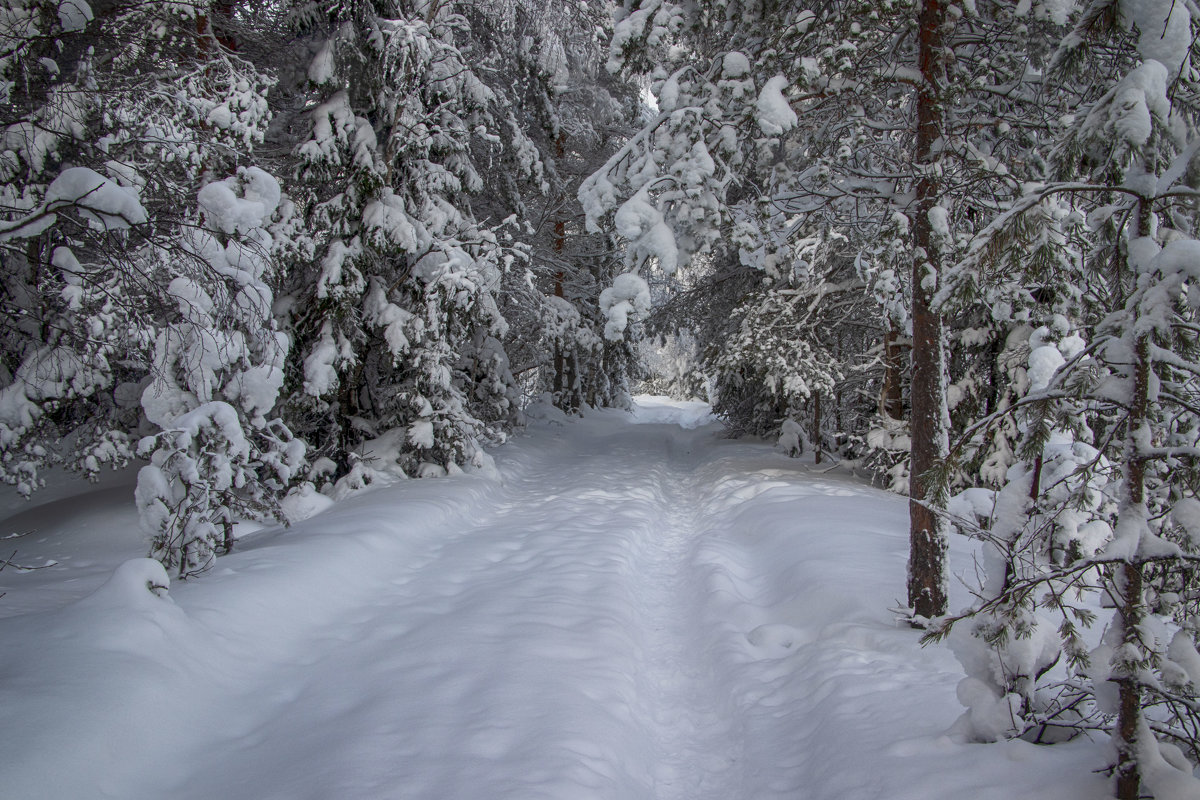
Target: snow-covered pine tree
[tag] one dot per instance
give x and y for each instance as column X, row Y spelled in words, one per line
column 1128, row 156
column 396, row 320
column 1139, row 137
column 217, row 373
column 97, row 163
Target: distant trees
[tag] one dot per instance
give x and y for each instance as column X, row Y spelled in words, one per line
column 728, row 171
column 548, row 59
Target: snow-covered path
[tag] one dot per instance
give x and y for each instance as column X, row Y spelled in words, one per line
column 634, row 611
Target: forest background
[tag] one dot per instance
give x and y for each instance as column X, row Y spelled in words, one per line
column 278, row 248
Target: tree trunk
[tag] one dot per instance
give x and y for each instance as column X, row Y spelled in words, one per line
column 561, row 385
column 891, row 399
column 839, row 439
column 573, row 388
column 1129, row 715
column 1132, row 608
column 816, row 429
column 560, row 360
column 927, row 540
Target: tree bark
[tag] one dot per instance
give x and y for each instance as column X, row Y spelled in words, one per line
column 927, row 539
column 1132, row 607
column 816, row 429
column 891, row 399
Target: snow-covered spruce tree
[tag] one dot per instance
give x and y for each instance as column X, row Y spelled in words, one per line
column 396, row 320
column 133, row 299
column 218, row 371
column 96, row 164
column 55, row 361
column 1076, row 523
column 1128, row 155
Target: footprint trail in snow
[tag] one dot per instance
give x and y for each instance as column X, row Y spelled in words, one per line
column 633, row 612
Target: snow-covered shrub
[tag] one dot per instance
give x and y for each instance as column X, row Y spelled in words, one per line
column 185, row 496
column 1053, row 509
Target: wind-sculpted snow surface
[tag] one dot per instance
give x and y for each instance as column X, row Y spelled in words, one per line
column 633, row 611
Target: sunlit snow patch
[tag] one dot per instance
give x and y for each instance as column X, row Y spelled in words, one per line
column 656, row 409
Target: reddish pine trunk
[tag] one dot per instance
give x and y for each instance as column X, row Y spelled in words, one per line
column 927, row 542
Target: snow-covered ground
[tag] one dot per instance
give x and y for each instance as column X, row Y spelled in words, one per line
column 639, row 608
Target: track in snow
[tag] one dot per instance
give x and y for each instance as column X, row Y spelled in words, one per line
column 635, row 612
column 545, row 643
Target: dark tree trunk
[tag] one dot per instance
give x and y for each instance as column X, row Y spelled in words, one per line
column 927, row 541
column 891, row 400
column 1131, row 605
column 816, row 429
column 562, row 387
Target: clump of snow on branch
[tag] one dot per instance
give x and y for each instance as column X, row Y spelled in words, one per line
column 772, row 112
column 629, row 296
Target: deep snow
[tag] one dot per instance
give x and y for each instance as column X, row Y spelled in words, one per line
column 637, row 608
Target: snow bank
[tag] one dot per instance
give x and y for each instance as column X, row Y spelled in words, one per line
column 655, row 409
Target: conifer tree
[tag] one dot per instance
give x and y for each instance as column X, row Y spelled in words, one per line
column 396, row 319
column 133, row 293
column 1124, row 158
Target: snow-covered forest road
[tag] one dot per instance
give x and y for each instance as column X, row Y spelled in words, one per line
column 632, row 609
